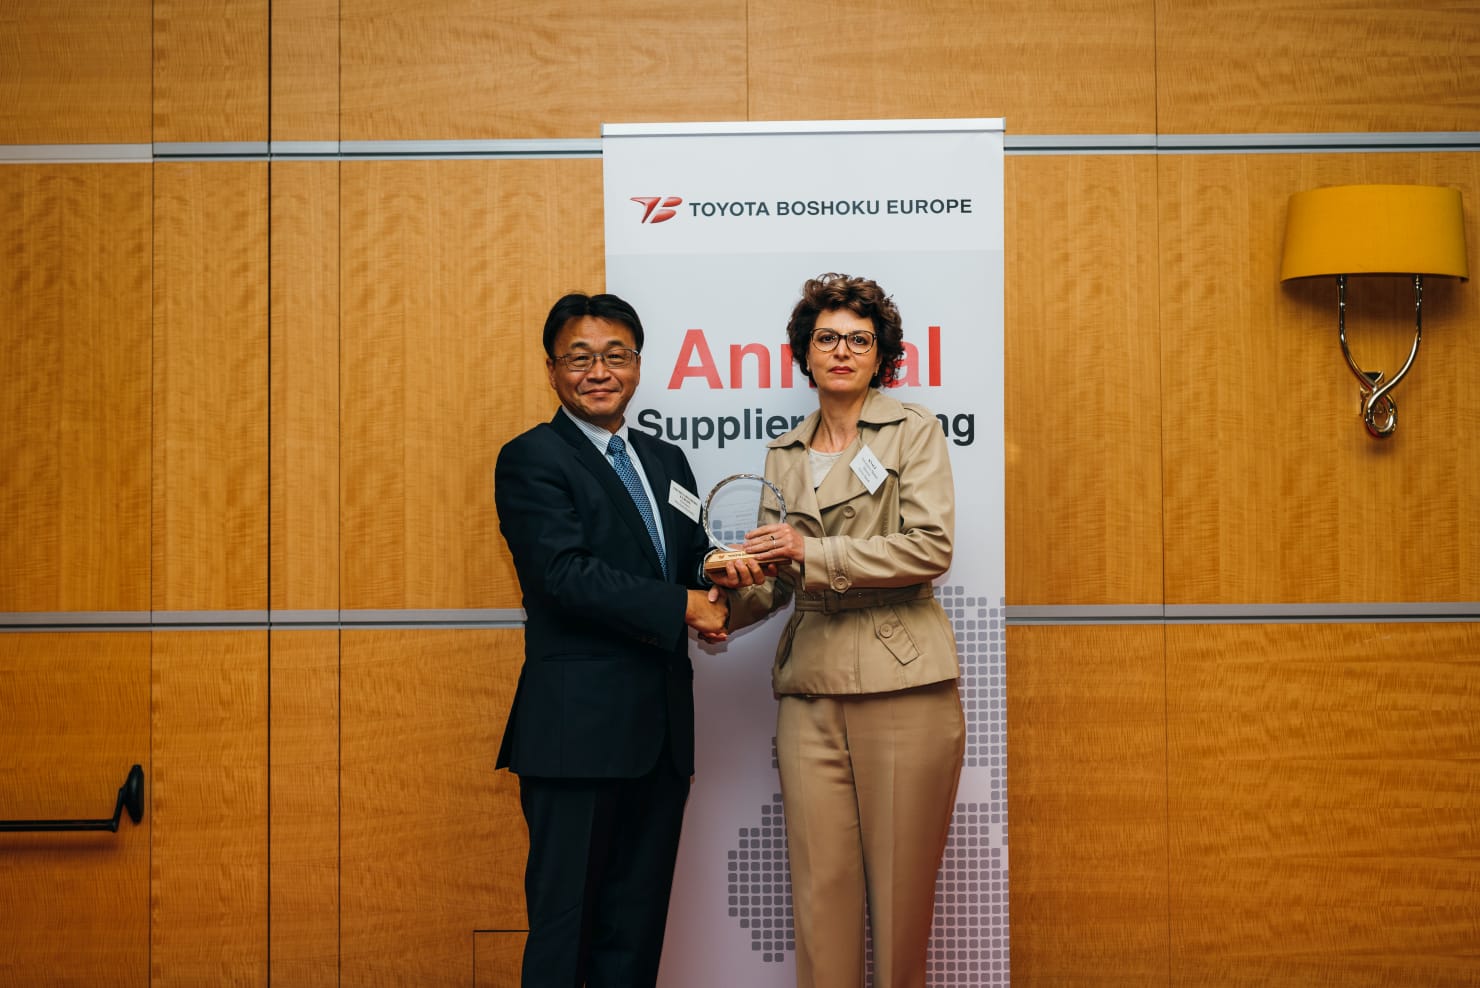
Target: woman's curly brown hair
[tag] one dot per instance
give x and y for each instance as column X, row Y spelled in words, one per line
column 864, row 298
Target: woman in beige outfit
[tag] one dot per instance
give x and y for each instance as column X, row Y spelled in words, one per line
column 870, row 732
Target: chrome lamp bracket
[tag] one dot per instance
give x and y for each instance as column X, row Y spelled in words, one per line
column 1379, row 409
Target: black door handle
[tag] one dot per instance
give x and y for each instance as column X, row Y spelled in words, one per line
column 130, row 797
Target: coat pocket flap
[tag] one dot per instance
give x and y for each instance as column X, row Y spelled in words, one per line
column 894, row 636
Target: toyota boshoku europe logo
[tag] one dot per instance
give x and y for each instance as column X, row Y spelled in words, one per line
column 657, row 209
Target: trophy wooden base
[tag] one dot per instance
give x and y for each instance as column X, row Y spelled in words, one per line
column 716, row 560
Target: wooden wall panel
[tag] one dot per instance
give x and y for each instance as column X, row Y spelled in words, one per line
column 498, row 958
column 1324, row 813
column 449, row 271
column 304, row 804
column 210, row 70
column 304, row 75
column 75, row 72
column 74, row 387
column 75, row 905
column 1274, row 490
column 1310, row 816
column 537, row 68
column 1316, row 66
column 1085, row 67
column 210, row 801
column 1087, row 798
column 210, row 386
column 305, row 386
column 433, row 840
column 1083, row 400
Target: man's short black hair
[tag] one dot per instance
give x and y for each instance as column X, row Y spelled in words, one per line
column 577, row 304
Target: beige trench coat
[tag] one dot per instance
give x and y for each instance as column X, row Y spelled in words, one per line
column 857, row 627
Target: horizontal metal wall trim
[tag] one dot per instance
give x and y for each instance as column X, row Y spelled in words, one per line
column 1085, row 614
column 550, row 148
column 1024, row 144
column 210, row 150
column 1449, row 140
column 53, row 154
column 294, row 620
column 440, row 618
column 583, row 147
column 1168, row 614
column 513, row 618
column 79, row 620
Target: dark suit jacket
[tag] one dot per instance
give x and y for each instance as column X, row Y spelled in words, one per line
column 606, row 651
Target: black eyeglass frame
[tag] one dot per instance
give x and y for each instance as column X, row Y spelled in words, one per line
column 582, row 361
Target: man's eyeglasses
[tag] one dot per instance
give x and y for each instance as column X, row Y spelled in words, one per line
column 826, row 341
column 615, row 359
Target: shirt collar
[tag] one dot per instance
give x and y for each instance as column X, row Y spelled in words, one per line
column 599, row 437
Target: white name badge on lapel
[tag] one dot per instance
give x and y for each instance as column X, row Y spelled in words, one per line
column 683, row 500
column 868, row 469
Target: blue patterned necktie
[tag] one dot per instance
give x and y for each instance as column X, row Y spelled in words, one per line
column 617, row 450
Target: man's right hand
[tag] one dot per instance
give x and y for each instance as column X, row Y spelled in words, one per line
column 707, row 613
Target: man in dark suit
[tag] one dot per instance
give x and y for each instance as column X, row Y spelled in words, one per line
column 603, row 527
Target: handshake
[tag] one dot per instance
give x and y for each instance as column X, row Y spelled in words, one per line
column 765, row 550
column 708, row 613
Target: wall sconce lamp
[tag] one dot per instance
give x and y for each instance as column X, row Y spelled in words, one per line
column 1376, row 229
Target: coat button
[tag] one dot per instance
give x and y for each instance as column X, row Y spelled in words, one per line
column 849, row 511
column 840, row 584
column 886, row 631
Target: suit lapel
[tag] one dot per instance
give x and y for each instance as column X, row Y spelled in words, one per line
column 596, row 464
column 879, row 410
column 794, row 476
column 841, row 483
column 794, row 469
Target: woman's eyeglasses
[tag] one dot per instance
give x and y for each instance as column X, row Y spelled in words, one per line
column 826, row 341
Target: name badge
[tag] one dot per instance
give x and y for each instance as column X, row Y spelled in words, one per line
column 868, row 469
column 685, row 501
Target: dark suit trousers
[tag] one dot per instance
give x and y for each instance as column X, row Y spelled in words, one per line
column 601, row 857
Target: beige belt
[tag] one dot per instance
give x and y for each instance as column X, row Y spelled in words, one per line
column 830, row 601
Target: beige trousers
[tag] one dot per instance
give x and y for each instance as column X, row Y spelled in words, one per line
column 868, row 784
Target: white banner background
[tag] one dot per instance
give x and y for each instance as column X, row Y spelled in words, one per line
column 710, row 231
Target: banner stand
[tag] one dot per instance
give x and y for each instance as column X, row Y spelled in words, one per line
column 711, row 229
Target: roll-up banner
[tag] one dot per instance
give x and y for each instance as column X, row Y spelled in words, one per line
column 711, row 229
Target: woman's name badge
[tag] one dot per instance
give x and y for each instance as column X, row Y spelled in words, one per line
column 868, row 469
column 685, row 501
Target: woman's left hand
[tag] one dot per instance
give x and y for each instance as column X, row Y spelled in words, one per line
column 773, row 545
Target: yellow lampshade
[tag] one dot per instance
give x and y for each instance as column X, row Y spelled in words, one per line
column 1375, row 229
